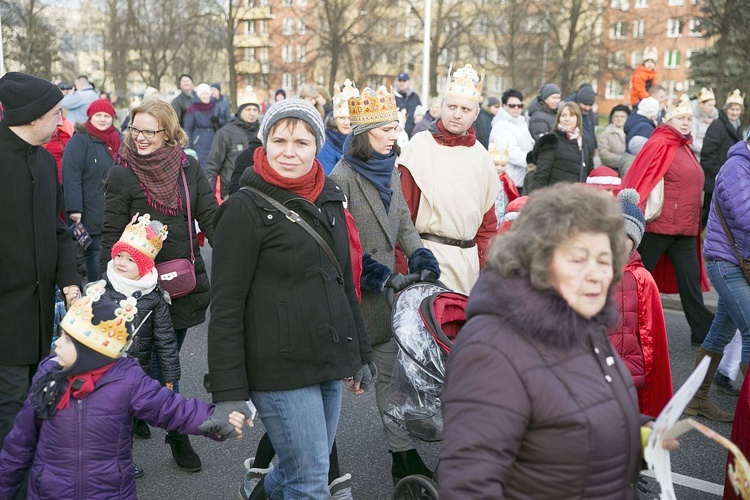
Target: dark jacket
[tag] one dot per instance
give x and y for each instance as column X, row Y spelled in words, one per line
column 85, row 452
column 408, row 101
column 229, row 142
column 588, row 127
column 482, row 126
column 541, row 118
column 280, row 319
column 721, row 136
column 425, row 123
column 155, row 335
column 86, row 163
column 243, row 162
column 637, row 125
column 536, row 405
column 222, row 114
column 181, row 103
column 733, row 194
column 125, row 198
column 36, row 250
column 201, row 129
column 559, row 159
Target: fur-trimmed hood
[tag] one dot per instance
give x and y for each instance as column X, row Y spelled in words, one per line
column 542, row 316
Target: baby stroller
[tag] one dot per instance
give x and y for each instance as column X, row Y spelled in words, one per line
column 426, row 318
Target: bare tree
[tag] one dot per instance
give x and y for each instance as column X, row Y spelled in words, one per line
column 31, row 43
column 117, row 17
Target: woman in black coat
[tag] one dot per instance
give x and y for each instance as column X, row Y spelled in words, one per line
column 147, row 178
column 562, row 155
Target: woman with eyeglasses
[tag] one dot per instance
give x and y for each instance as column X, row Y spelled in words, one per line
column 147, row 178
column 510, row 132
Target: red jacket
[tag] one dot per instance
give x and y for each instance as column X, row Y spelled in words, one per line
column 638, row 83
column 640, row 337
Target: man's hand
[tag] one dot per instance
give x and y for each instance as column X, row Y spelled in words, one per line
column 71, row 293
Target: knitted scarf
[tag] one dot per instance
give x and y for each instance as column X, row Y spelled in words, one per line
column 158, row 174
column 309, row 186
column 445, row 138
column 110, row 137
column 573, row 135
column 203, row 107
column 377, row 170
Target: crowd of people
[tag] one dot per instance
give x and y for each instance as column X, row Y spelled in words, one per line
column 523, row 211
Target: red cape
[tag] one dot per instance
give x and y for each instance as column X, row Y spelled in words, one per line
column 648, row 168
column 740, row 434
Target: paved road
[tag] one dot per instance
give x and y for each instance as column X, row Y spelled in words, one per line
column 362, row 448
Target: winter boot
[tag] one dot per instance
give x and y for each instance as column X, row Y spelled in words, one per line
column 341, row 488
column 407, row 463
column 724, row 384
column 184, row 455
column 701, row 404
column 259, row 492
column 253, row 476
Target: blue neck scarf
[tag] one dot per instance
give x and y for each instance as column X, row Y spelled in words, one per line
column 335, row 139
column 377, row 170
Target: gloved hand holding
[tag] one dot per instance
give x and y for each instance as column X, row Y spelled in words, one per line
column 397, row 281
column 363, row 379
column 425, row 275
column 422, row 259
column 374, row 275
column 228, row 418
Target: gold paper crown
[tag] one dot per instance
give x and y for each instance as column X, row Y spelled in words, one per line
column 110, row 336
column 651, row 53
column 706, row 95
column 736, row 98
column 464, row 82
column 137, row 236
column 499, row 156
column 341, row 98
column 373, row 107
column 247, row 96
column 682, row 108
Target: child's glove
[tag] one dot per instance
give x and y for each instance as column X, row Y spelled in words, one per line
column 228, row 416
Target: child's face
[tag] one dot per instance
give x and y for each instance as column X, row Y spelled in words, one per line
column 65, row 351
column 125, row 266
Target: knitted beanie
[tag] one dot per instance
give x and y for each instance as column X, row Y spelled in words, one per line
column 635, row 222
column 293, row 108
column 648, row 107
column 586, row 95
column 25, row 97
column 548, row 90
column 202, row 89
column 144, row 263
column 605, row 178
column 101, row 106
column 217, row 86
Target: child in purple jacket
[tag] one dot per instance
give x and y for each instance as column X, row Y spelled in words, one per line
column 73, row 434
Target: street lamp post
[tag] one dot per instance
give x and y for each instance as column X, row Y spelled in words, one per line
column 426, row 50
column 2, row 47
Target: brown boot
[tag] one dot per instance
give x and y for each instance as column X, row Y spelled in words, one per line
column 701, row 404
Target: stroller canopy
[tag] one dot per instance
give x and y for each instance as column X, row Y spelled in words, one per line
column 443, row 314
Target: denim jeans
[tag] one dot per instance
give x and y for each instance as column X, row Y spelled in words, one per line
column 732, row 310
column 180, row 333
column 302, row 426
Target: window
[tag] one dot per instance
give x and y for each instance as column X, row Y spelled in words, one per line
column 616, row 60
column 249, row 54
column 497, row 84
column 694, row 27
column 639, row 29
column 286, row 54
column 674, row 28
column 302, row 3
column 288, row 3
column 620, row 4
column 636, row 58
column 482, row 56
column 286, row 80
column 672, row 59
column 287, row 26
column 302, row 27
column 641, row 4
column 263, row 3
column 617, row 31
column 689, row 56
column 264, row 54
column 263, row 26
column 300, row 80
column 613, row 90
column 676, row 2
column 301, row 53
column 249, row 27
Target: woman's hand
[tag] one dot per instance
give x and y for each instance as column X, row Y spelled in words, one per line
column 667, row 444
column 75, row 217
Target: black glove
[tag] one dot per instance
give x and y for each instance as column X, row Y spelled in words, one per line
column 397, row 281
column 215, row 120
column 218, row 422
column 366, row 376
column 425, row 275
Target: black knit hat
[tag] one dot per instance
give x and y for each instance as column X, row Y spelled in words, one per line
column 26, row 97
column 619, row 107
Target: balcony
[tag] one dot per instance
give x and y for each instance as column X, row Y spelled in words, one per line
column 253, row 68
column 247, row 13
column 251, row 40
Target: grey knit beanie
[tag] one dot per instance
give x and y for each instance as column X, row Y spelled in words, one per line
column 26, row 97
column 293, row 108
column 548, row 90
column 635, row 222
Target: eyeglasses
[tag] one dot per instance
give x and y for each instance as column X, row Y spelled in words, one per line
column 517, row 106
column 148, row 134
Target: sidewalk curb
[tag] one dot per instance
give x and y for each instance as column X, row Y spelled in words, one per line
column 672, row 302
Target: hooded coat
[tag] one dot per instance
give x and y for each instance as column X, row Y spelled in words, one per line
column 536, row 406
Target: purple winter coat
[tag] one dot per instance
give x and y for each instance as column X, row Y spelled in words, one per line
column 732, row 190
column 85, row 451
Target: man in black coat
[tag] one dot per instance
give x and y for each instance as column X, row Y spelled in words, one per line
column 36, row 250
column 407, row 99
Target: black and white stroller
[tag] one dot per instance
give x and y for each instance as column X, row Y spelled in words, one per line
column 426, row 318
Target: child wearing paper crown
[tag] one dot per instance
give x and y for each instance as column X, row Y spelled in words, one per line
column 73, row 435
column 131, row 273
column 641, row 336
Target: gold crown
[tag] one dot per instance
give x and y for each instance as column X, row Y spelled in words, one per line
column 499, row 156
column 706, row 95
column 247, row 96
column 651, row 53
column 735, row 98
column 110, row 336
column 464, row 82
column 341, row 98
column 373, row 107
column 137, row 235
column 682, row 108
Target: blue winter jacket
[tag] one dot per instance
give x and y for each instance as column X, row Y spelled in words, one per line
column 637, row 125
column 201, row 129
column 732, row 190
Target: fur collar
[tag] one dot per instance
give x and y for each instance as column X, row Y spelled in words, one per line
column 541, row 316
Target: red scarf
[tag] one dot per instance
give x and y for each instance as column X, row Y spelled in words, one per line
column 309, row 186
column 109, row 137
column 445, row 138
column 511, row 191
column 89, row 381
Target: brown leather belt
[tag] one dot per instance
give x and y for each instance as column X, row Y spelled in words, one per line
column 447, row 241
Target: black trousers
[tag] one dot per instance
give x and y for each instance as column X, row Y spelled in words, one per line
column 15, row 382
column 682, row 252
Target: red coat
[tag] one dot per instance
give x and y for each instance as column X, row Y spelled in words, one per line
column 638, row 82
column 640, row 337
column 740, row 434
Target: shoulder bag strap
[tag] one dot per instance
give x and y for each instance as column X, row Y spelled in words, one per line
column 190, row 218
column 726, row 231
column 295, row 218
